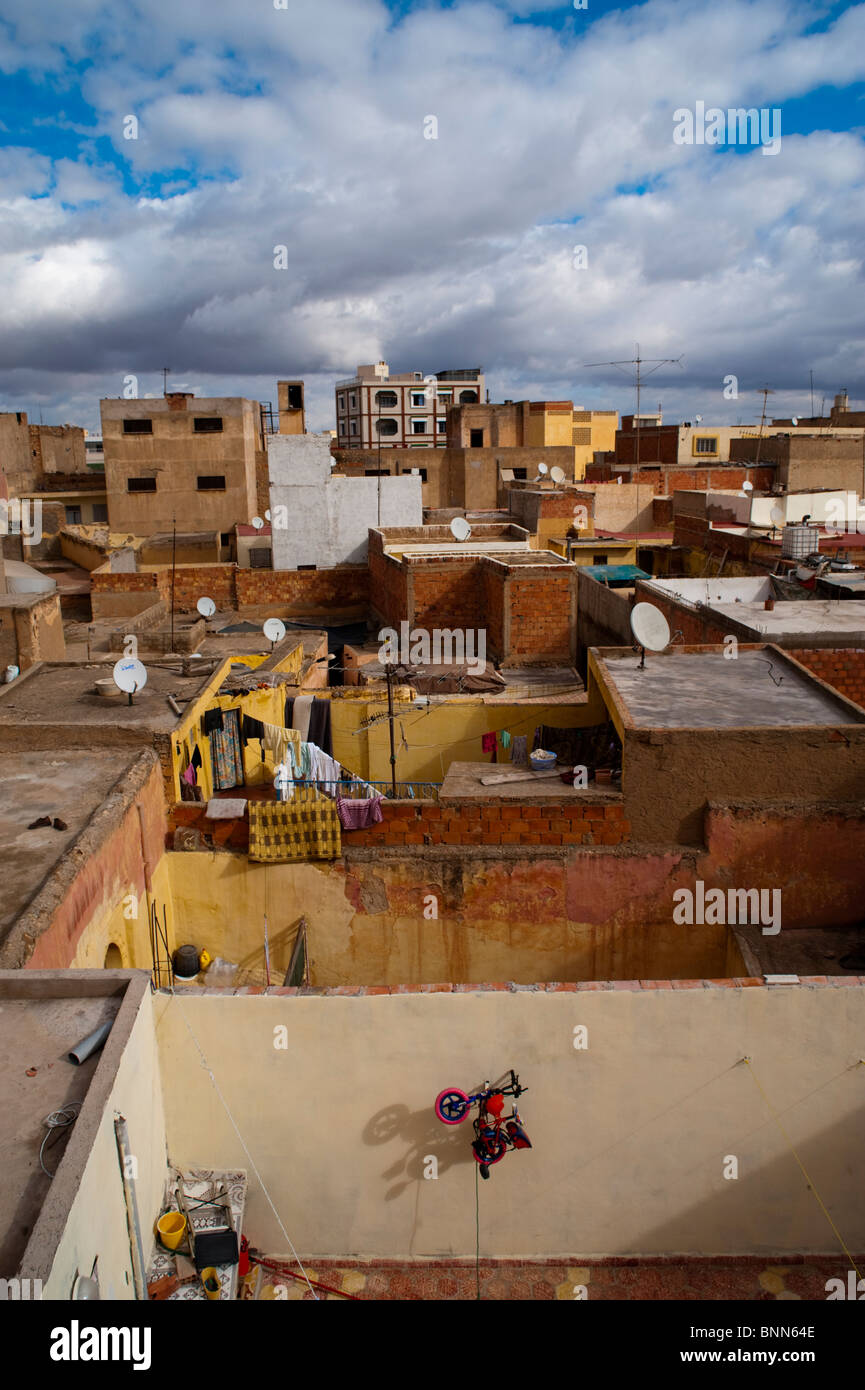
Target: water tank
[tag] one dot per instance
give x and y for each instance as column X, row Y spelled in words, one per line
column 798, row 540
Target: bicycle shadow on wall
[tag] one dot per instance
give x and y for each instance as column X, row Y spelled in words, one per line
column 422, row 1135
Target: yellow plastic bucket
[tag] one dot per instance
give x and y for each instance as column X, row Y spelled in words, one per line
column 172, row 1229
column 210, row 1282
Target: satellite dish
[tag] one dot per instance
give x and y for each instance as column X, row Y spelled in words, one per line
column 267, row 515
column 699, row 419
column 460, row 529
column 258, row 523
column 650, row 628
column 557, row 474
column 129, row 676
column 274, row 630
column 795, row 420
column 777, row 514
column 543, row 469
column 206, row 607
column 747, row 487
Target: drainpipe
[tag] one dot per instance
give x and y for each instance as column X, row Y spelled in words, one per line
column 136, row 1247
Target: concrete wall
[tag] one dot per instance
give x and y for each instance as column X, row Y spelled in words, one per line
column 175, row 455
column 31, row 630
column 58, row 449
column 629, row 1134
column 325, row 519
column 84, row 1217
column 603, row 616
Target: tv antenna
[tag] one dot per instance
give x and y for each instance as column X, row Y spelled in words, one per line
column 165, row 371
column 638, row 363
column 765, row 392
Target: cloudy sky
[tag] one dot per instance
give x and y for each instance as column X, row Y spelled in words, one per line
column 308, row 126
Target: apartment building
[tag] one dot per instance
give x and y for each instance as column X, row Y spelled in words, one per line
column 406, row 410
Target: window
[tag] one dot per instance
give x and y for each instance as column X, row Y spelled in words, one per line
column 100, row 511
column 137, row 426
column 386, row 426
column 140, row 484
column 73, row 516
column 207, row 424
column 520, row 475
column 476, row 439
column 445, row 397
column 211, row 482
column 467, row 397
column 352, row 401
column 295, row 397
column 353, row 427
column 441, row 426
column 307, row 567
column 600, row 560
column 418, row 376
column 261, row 558
column 340, row 400
column 417, row 399
column 706, row 444
column 386, row 400
column 418, row 426
column 374, row 473
column 225, row 538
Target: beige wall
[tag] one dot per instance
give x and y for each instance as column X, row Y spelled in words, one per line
column 630, row 1135
column 175, row 455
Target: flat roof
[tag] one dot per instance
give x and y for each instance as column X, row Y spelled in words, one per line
column 463, row 782
column 827, row 619
column 64, row 694
column 462, row 548
column 36, row 1033
column 705, row 690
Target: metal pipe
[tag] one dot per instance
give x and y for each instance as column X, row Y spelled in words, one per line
column 92, row 1043
column 136, row 1247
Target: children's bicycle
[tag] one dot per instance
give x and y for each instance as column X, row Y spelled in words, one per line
column 453, row 1105
column 495, row 1132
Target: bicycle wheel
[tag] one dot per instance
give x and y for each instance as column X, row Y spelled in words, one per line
column 452, row 1106
column 494, row 1151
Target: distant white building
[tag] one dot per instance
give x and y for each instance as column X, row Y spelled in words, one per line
column 321, row 520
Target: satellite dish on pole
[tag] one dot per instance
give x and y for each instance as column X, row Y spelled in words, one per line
column 747, row 487
column 206, row 607
column 699, row 419
column 460, row 529
column 795, row 420
column 258, row 523
column 129, row 676
column 557, row 474
column 650, row 628
column 274, row 630
column 267, row 515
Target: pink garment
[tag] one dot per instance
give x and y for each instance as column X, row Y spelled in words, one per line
column 189, row 775
column 357, row 815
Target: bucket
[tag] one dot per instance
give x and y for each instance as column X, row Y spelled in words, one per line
column 172, row 1229
column 186, row 962
column 210, row 1282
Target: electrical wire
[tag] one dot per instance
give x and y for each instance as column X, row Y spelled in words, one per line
column 63, row 1118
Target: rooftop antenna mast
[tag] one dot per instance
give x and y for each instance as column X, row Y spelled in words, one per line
column 766, row 392
column 811, row 375
column 165, row 371
column 638, row 363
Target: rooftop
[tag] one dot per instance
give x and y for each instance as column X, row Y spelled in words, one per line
column 827, row 620
column 64, row 694
column 471, row 782
column 703, row 690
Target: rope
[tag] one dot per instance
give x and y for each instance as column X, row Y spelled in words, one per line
column 252, row 1163
column 58, row 1119
column 776, row 1117
column 477, row 1230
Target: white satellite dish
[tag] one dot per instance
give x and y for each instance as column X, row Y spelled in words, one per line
column 258, row 523
column 699, row 419
column 557, row 474
column 795, row 420
column 267, row 515
column 206, row 607
column 747, row 487
column 274, row 630
column 460, row 529
column 777, row 514
column 543, row 469
column 650, row 628
column 129, row 676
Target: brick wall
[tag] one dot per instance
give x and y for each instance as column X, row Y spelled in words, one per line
column 388, row 585
column 664, row 481
column 843, row 669
column 193, row 582
column 539, row 606
column 449, row 595
column 698, row 629
column 345, row 587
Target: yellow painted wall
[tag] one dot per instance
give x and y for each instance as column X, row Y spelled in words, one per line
column 126, row 925
column 629, row 1134
column 550, row 427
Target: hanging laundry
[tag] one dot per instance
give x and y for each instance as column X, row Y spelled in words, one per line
column 488, row 744
column 519, row 751
column 196, row 760
column 226, row 754
column 212, row 720
column 506, row 739
column 283, row 781
column 319, row 726
column 252, row 728
column 302, row 712
column 277, row 741
column 357, row 815
column 307, row 827
column 188, row 775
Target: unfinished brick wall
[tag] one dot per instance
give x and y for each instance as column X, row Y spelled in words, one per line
column 192, row 582
column 664, row 480
column 388, row 585
column 842, row 668
column 539, row 613
column 698, row 629
column 344, row 587
column 448, row 595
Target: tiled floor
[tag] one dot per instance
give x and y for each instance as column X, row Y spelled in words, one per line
column 752, row 1280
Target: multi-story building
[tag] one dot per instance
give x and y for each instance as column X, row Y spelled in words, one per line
column 407, row 410
column 535, row 425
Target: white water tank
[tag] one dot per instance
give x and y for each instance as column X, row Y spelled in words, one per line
column 798, row 540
